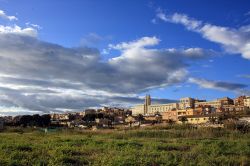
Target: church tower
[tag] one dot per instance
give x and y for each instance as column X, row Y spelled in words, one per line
column 147, row 103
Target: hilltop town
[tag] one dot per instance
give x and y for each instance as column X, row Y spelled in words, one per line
column 187, row 110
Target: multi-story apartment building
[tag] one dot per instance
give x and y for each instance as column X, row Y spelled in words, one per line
column 214, row 104
column 239, row 101
column 186, row 102
column 232, row 109
column 226, row 101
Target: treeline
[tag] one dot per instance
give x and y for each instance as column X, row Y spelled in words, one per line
column 30, row 120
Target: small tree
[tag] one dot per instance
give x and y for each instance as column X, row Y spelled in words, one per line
column 247, row 111
column 183, row 119
column 140, row 118
column 170, row 121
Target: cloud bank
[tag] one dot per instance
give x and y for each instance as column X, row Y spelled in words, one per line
column 236, row 41
column 218, row 85
column 45, row 77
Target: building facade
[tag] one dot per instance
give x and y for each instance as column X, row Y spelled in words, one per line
column 239, row 101
column 214, row 104
column 247, row 101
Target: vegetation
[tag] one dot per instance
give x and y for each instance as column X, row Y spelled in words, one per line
column 152, row 146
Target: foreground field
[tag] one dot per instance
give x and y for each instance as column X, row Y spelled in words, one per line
column 177, row 145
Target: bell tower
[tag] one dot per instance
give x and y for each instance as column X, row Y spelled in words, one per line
column 147, row 103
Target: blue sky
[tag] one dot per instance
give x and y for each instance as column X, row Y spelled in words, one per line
column 170, row 49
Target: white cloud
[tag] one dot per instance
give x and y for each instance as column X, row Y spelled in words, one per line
column 18, row 30
column 218, row 85
column 36, row 26
column 232, row 39
column 141, row 43
column 105, row 51
column 5, row 16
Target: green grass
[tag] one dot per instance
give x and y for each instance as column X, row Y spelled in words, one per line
column 153, row 146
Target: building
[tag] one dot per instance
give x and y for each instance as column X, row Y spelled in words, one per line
column 138, row 109
column 147, row 104
column 205, row 110
column 198, row 119
column 214, row 104
column 247, row 101
column 226, row 101
column 159, row 108
column 55, row 116
column 186, row 102
column 186, row 112
column 149, row 109
column 169, row 115
column 232, row 109
column 239, row 101
column 153, row 118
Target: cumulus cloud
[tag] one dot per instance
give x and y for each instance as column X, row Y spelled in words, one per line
column 41, row 76
column 219, row 85
column 232, row 40
column 18, row 30
column 5, row 16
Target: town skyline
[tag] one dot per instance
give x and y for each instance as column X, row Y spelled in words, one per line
column 69, row 56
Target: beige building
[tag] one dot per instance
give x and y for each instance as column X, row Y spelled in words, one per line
column 186, row 112
column 138, row 109
column 226, row 101
column 247, row 101
column 169, row 115
column 159, row 108
column 234, row 109
column 186, row 102
column 197, row 119
column 239, row 101
column 214, row 104
column 148, row 108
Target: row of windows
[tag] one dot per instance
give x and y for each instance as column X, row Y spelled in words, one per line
column 197, row 119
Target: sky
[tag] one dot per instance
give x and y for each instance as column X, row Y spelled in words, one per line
column 58, row 56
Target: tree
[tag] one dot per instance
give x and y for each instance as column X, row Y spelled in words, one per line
column 183, row 119
column 46, row 119
column 170, row 121
column 247, row 111
column 140, row 118
column 212, row 119
column 25, row 120
column 89, row 117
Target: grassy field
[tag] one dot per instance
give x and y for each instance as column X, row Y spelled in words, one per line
column 153, row 146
